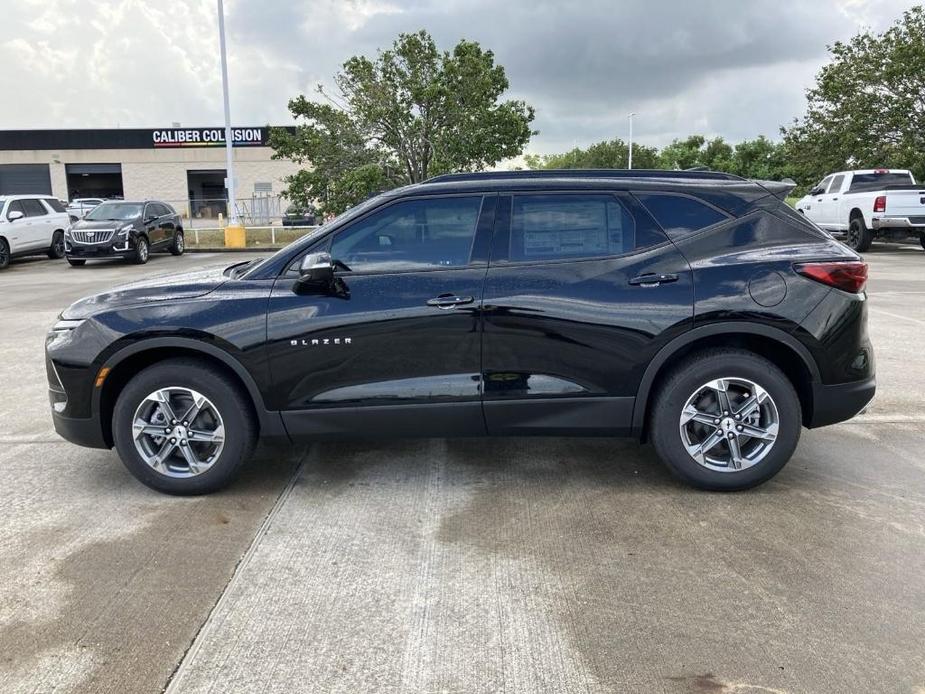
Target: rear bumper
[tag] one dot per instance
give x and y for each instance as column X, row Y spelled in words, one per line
column 833, row 404
column 913, row 224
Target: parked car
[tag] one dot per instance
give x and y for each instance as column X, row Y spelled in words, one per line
column 79, row 207
column 695, row 310
column 298, row 216
column 130, row 230
column 868, row 204
column 31, row 225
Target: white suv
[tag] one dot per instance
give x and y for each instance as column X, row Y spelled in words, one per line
column 31, row 225
column 79, row 207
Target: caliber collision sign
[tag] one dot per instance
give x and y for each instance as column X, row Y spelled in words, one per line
column 208, row 137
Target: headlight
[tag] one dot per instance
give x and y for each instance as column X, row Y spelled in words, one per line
column 124, row 230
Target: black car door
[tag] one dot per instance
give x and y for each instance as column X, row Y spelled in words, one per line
column 395, row 349
column 582, row 290
column 167, row 223
column 151, row 220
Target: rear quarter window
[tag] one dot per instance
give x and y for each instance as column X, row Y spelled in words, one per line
column 680, row 215
column 55, row 204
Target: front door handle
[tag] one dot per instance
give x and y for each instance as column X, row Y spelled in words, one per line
column 447, row 301
column 650, row 279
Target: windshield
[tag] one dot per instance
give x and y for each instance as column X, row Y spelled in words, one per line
column 115, row 212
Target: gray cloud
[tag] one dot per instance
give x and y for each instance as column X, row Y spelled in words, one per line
column 720, row 67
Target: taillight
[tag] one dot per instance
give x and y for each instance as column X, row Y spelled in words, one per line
column 850, row 276
column 880, row 203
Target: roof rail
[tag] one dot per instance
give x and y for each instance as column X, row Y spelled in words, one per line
column 584, row 173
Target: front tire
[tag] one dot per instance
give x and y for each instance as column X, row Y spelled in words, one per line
column 859, row 237
column 183, row 427
column 142, row 251
column 725, row 420
column 178, row 245
column 56, row 250
column 4, row 254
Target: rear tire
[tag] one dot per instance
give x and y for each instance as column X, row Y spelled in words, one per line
column 161, row 461
column 179, row 243
column 4, row 254
column 729, row 460
column 56, row 250
column 922, row 241
column 76, row 262
column 859, row 237
column 142, row 251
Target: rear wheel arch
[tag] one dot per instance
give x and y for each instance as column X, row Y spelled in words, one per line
column 132, row 360
column 778, row 347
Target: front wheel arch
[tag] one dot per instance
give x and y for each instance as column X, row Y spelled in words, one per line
column 130, row 361
column 783, row 350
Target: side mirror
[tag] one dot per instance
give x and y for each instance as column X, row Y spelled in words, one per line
column 316, row 270
column 14, row 215
column 816, row 191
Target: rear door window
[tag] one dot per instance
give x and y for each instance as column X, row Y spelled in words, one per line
column 556, row 227
column 33, row 208
column 680, row 215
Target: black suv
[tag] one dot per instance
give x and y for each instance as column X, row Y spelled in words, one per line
column 693, row 309
column 131, row 230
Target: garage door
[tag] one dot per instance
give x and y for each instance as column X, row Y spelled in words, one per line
column 25, row 179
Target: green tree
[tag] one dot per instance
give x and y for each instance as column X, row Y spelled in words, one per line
column 867, row 108
column 696, row 150
column 609, row 154
column 411, row 113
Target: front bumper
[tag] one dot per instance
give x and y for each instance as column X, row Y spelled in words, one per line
column 837, row 403
column 83, row 432
column 118, row 247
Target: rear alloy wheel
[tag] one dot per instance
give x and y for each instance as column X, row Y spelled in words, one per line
column 56, row 250
column 726, row 419
column 4, row 254
column 76, row 262
column 182, row 427
column 142, row 251
column 859, row 237
column 177, row 247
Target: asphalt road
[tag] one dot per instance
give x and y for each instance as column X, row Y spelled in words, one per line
column 514, row 565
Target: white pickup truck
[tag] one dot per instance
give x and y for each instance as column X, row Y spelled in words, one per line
column 866, row 204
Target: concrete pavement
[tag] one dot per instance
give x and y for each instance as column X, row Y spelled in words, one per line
column 512, row 565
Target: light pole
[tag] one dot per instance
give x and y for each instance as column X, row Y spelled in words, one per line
column 229, row 145
column 630, row 162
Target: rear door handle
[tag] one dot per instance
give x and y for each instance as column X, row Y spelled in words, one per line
column 650, row 279
column 447, row 301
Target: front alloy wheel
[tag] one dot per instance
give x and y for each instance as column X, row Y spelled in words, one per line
column 183, row 426
column 178, row 432
column 142, row 251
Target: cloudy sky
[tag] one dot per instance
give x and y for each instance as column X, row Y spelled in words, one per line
column 736, row 68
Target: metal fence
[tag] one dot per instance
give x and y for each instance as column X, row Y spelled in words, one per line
column 206, row 213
